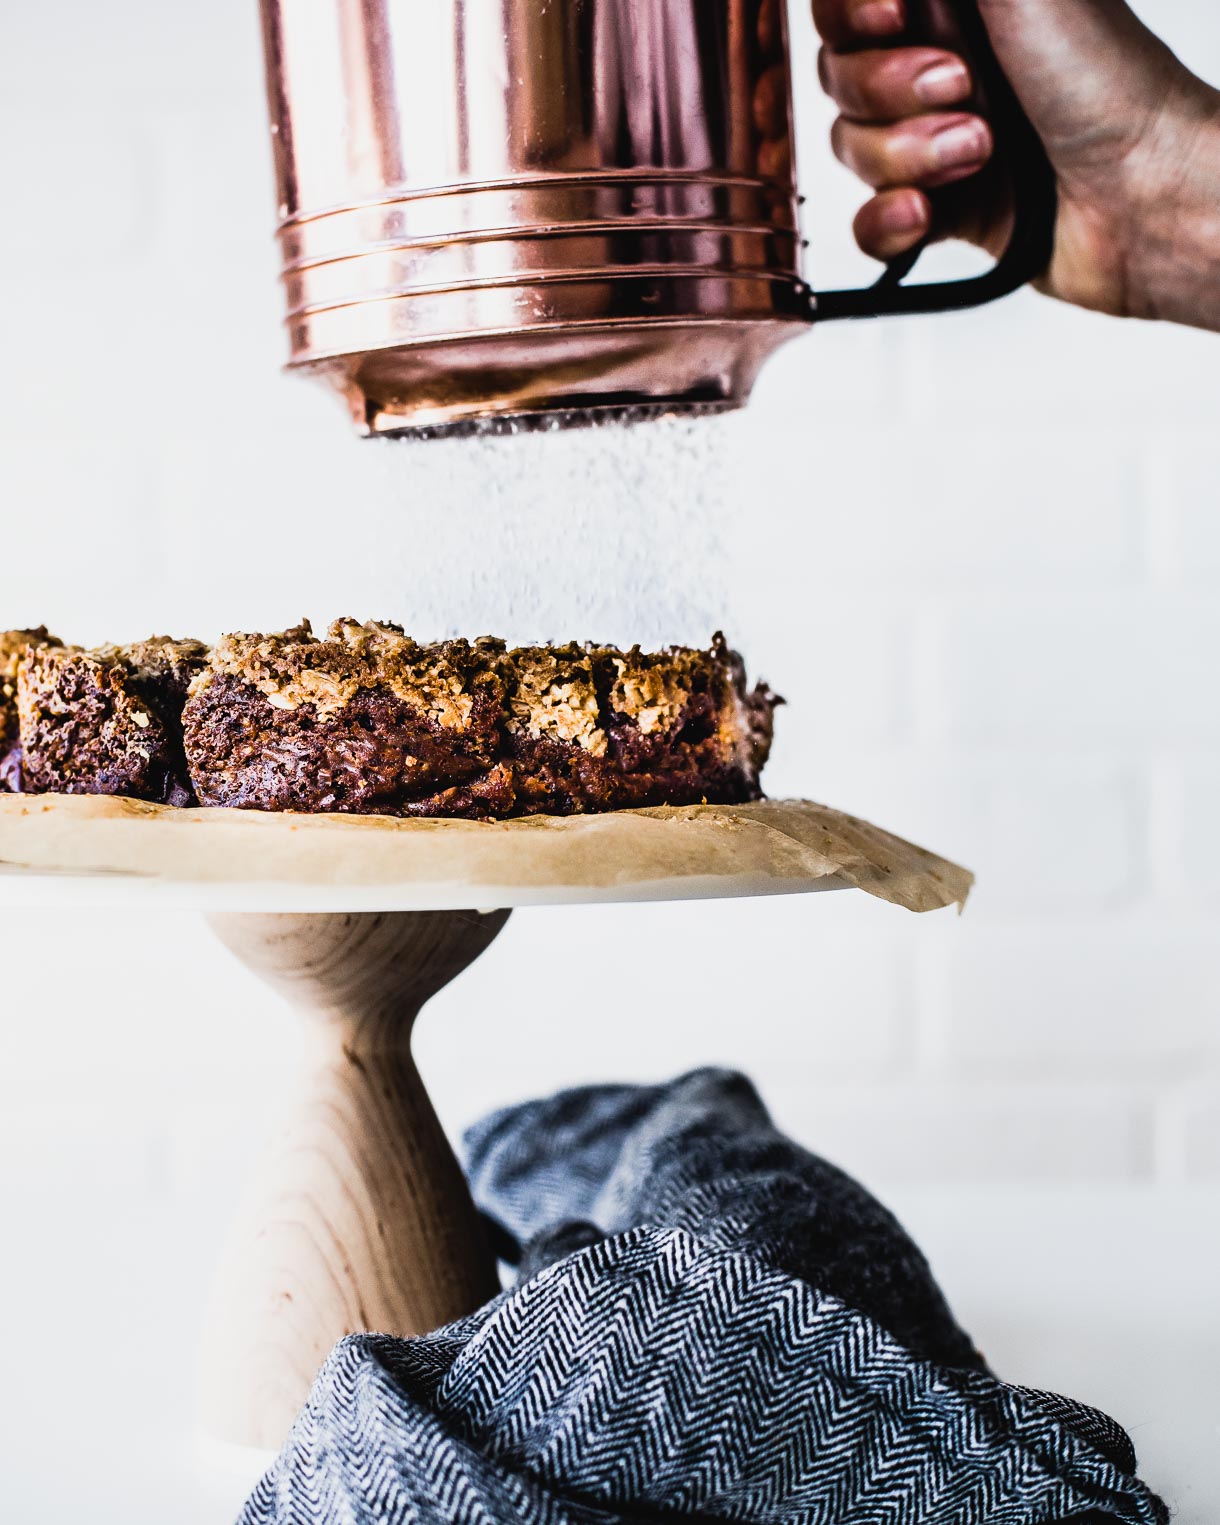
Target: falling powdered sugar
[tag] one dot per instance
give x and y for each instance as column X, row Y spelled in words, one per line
column 610, row 532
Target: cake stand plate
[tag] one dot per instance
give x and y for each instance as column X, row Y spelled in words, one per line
column 359, row 1217
column 59, row 849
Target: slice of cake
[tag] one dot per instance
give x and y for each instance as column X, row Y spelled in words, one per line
column 593, row 728
column 368, row 721
column 107, row 721
column 364, row 721
column 13, row 646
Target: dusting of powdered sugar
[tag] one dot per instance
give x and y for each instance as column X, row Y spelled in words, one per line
column 615, row 533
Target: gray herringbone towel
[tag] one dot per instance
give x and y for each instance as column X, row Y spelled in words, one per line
column 708, row 1324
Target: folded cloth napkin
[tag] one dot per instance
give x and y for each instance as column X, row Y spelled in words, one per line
column 708, row 1323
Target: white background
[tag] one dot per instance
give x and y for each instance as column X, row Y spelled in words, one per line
column 980, row 556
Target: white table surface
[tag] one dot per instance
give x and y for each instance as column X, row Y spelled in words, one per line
column 1109, row 1295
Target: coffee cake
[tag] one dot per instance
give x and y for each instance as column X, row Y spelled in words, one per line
column 594, row 728
column 364, row 720
column 13, row 646
column 367, row 720
column 106, row 721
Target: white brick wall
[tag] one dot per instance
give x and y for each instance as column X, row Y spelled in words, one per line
column 1198, row 1130
column 980, row 556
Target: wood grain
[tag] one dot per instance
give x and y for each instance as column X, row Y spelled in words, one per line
column 250, row 860
column 359, row 1217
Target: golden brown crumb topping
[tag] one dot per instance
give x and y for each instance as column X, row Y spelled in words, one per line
column 52, row 680
column 561, row 693
column 13, row 646
column 296, row 668
column 161, row 654
column 553, row 693
column 654, row 689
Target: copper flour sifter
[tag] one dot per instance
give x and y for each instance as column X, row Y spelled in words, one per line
column 537, row 210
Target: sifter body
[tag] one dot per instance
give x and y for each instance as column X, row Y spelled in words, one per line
column 503, row 209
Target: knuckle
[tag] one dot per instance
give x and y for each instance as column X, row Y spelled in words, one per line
column 830, row 18
column 771, row 102
column 770, row 26
column 883, row 85
column 895, row 157
column 888, row 156
column 889, row 87
column 836, row 71
column 852, row 88
column 870, row 87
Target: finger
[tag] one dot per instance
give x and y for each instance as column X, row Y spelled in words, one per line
column 775, row 159
column 893, row 222
column 771, row 102
column 846, row 22
column 887, row 84
column 771, row 28
column 927, row 151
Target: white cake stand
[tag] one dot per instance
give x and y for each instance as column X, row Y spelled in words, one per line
column 359, row 1218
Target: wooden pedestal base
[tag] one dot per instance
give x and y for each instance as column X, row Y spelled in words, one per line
column 360, row 1218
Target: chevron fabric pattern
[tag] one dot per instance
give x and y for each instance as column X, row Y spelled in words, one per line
column 709, row 1324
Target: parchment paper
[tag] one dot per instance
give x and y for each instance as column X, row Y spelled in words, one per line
column 50, row 844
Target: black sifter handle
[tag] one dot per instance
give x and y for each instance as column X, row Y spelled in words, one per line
column 1020, row 164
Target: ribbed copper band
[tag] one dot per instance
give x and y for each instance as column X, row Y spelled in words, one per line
column 481, row 311
column 476, row 259
column 556, row 203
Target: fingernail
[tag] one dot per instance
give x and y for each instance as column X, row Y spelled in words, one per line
column 943, row 84
column 878, row 18
column 963, row 143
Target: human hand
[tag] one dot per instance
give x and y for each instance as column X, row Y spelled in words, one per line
column 1133, row 136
